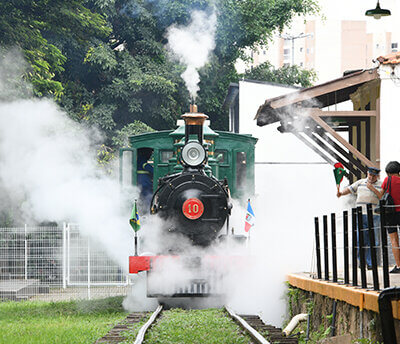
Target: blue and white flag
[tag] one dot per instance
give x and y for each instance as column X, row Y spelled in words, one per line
column 250, row 218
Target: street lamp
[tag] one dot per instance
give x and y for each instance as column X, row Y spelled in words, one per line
column 292, row 38
column 377, row 12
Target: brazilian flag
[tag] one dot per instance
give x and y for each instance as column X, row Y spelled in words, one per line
column 134, row 220
column 339, row 172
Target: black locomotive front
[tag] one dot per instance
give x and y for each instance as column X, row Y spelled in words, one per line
column 190, row 202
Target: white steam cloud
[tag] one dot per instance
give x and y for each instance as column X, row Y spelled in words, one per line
column 48, row 169
column 192, row 45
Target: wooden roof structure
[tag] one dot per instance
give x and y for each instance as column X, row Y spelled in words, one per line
column 301, row 114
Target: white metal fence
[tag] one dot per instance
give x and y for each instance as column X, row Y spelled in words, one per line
column 56, row 263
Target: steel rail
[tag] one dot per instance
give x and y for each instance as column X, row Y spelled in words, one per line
column 144, row 328
column 250, row 330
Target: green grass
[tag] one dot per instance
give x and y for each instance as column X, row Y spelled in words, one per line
column 210, row 326
column 58, row 322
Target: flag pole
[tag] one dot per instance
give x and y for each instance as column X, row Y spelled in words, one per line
column 248, row 238
column 136, row 241
column 136, row 244
column 135, row 224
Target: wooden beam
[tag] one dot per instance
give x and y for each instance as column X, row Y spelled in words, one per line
column 371, row 113
column 328, row 87
column 351, row 148
column 378, row 133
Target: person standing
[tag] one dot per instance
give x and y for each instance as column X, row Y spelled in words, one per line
column 367, row 191
column 392, row 170
column 145, row 177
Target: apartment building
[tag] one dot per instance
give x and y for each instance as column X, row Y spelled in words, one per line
column 335, row 41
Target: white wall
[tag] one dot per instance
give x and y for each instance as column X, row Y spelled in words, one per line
column 288, row 195
column 390, row 116
column 251, row 96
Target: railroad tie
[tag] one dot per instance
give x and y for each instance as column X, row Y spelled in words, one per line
column 271, row 333
column 115, row 334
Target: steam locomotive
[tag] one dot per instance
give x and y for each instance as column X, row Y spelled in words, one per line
column 194, row 206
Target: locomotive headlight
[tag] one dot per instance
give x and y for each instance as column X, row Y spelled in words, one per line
column 193, row 154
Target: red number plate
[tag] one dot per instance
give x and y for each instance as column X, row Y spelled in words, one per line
column 193, row 208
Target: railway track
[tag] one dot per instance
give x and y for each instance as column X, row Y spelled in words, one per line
column 251, row 324
column 260, row 332
column 115, row 334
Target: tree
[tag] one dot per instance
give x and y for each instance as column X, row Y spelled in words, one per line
column 242, row 24
column 106, row 62
column 36, row 27
column 133, row 77
column 288, row 75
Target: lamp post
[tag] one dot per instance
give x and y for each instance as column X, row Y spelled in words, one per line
column 292, row 38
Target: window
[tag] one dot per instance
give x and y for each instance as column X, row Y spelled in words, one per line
column 394, row 46
column 301, row 64
column 221, row 156
column 241, row 170
column 264, row 52
column 301, row 49
column 165, row 156
column 286, row 51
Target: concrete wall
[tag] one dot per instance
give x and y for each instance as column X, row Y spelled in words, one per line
column 349, row 319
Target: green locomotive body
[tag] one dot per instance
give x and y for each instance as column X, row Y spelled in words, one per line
column 230, row 157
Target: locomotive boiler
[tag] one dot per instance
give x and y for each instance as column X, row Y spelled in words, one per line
column 191, row 202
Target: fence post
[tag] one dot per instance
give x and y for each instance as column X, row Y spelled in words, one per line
column 354, row 244
column 326, row 258
column 68, row 253
column 88, row 268
column 371, row 233
column 384, row 245
column 26, row 252
column 334, row 256
column 346, row 246
column 317, row 248
column 64, row 253
column 361, row 248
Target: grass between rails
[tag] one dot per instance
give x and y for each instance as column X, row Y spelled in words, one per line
column 209, row 326
column 58, row 322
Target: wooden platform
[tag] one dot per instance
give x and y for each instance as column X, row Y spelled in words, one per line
column 355, row 296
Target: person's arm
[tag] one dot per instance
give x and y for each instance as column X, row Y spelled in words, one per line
column 346, row 191
column 378, row 193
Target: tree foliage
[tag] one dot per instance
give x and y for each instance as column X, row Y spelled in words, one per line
column 106, row 61
column 37, row 27
column 287, row 75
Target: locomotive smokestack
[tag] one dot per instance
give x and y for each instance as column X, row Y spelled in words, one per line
column 193, row 108
column 194, row 123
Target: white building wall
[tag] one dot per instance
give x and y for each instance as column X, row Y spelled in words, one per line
column 390, row 115
column 293, row 186
column 293, row 183
column 251, row 96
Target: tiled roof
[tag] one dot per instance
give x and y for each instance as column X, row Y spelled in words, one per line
column 393, row 58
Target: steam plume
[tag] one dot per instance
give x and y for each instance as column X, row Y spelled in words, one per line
column 192, row 45
column 48, row 168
